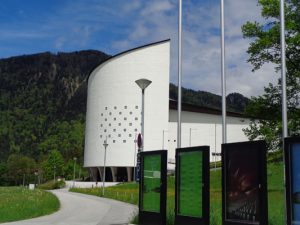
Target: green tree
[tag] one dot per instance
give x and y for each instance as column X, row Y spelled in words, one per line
column 3, row 174
column 20, row 169
column 66, row 137
column 69, row 170
column 265, row 48
column 53, row 166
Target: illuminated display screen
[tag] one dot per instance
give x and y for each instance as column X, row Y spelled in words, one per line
column 295, row 195
column 151, row 183
column 190, row 184
column 242, row 185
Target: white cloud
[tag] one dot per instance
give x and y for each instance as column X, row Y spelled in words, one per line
column 142, row 22
column 117, row 25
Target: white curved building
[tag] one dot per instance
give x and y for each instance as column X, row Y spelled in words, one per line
column 114, row 108
column 114, row 113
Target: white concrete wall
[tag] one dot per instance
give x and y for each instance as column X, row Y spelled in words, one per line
column 85, row 184
column 203, row 129
column 114, row 105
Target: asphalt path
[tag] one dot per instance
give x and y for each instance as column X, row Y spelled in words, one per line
column 80, row 209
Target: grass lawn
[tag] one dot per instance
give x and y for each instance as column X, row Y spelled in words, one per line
column 18, row 203
column 129, row 193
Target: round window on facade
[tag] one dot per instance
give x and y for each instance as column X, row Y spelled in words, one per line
column 105, row 108
column 124, row 141
column 115, row 107
column 119, row 135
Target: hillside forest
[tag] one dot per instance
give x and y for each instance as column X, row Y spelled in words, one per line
column 42, row 114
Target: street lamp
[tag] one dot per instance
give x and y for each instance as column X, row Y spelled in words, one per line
column 191, row 135
column 35, row 177
column 163, row 142
column 54, row 168
column 74, row 171
column 143, row 84
column 103, row 180
column 134, row 159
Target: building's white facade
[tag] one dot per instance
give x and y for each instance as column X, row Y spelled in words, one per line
column 114, row 113
column 199, row 128
column 114, row 106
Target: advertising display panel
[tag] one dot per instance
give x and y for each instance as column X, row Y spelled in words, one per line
column 244, row 185
column 292, row 169
column 192, row 186
column 152, row 196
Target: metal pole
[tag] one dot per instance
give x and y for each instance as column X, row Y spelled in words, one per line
column 143, row 119
column 283, row 71
column 163, row 142
column 224, row 130
column 74, row 172
column 215, row 146
column 103, row 182
column 54, row 172
column 283, row 87
column 179, row 73
column 134, row 159
column 190, row 137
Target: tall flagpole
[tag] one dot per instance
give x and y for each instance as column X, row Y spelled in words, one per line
column 223, row 80
column 283, row 71
column 179, row 73
column 283, row 88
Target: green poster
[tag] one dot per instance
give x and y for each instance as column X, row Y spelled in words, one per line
column 151, row 184
column 190, row 184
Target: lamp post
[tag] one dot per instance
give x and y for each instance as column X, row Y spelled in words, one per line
column 74, row 171
column 105, row 144
column 35, row 178
column 191, row 135
column 134, row 159
column 163, row 142
column 143, row 84
column 54, row 170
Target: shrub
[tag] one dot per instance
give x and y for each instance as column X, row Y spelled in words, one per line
column 50, row 185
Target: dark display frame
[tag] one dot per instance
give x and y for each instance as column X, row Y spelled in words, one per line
column 146, row 217
column 259, row 148
column 288, row 143
column 184, row 220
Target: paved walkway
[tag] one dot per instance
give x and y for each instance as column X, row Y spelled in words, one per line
column 80, row 209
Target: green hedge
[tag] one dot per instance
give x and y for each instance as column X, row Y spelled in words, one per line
column 50, row 185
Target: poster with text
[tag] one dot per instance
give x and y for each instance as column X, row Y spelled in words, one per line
column 242, row 185
column 190, row 184
column 151, row 183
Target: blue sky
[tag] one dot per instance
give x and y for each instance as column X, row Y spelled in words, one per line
column 113, row 26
